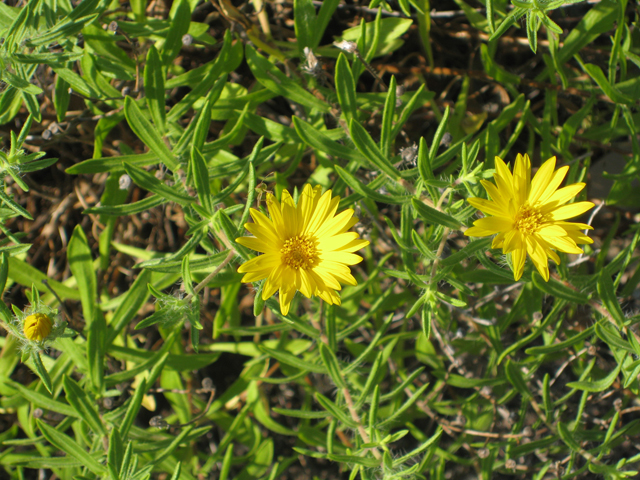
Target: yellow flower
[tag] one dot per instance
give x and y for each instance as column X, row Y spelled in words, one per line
column 306, row 247
column 37, row 326
column 528, row 215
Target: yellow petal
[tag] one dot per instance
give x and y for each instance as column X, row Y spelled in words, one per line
column 562, row 196
column 260, row 262
column 341, row 257
column 498, row 240
column 336, row 242
column 494, row 224
column 541, row 180
column 570, row 211
column 538, row 256
column 554, row 183
column 563, row 244
column 487, row 206
column 513, row 240
column 355, row 245
column 256, row 244
column 336, row 224
column 517, row 259
column 286, row 297
column 522, row 167
column 324, row 208
column 256, row 275
column 494, row 193
column 574, row 226
column 551, row 230
column 503, row 177
column 478, row 232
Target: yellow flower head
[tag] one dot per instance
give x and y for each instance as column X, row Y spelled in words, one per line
column 528, row 215
column 306, row 247
column 37, row 326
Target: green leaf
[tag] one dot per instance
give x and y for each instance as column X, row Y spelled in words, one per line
column 154, row 88
column 41, row 400
column 323, row 143
column 366, row 192
column 404, row 407
column 558, row 290
column 178, row 27
column 82, row 404
column 42, row 371
column 607, row 293
column 335, row 411
column 558, row 347
column 346, row 89
column 598, row 385
column 70, row 447
column 467, row 251
column 600, row 78
column 148, row 134
column 201, row 179
column 304, row 17
column 431, row 215
column 370, row 150
column 273, row 79
column 331, row 362
column 20, row 83
column 514, row 375
column 289, row 359
column 81, row 265
column 149, row 182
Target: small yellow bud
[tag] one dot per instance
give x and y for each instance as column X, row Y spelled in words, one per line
column 37, row 326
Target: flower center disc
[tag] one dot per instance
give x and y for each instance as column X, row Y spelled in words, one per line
column 299, row 252
column 528, row 220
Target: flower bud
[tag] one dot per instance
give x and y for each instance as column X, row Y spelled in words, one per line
column 37, row 326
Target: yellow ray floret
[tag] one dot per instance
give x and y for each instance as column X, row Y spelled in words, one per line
column 527, row 215
column 305, row 247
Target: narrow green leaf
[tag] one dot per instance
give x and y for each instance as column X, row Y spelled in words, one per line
column 611, row 91
column 178, row 27
column 437, row 138
column 83, row 405
column 331, row 362
column 422, row 246
column 41, row 400
column 130, row 208
column 154, row 88
column 304, row 17
column 467, row 251
column 273, row 79
column 366, row 192
column 335, row 411
column 560, row 346
column 606, row 291
column 81, row 265
column 321, row 142
column 404, row 407
column 149, row 182
column 289, row 359
column 201, row 179
column 370, row 150
column 42, row 371
column 70, row 447
column 147, row 133
column 558, row 290
column 346, row 89
column 514, row 375
column 431, row 215
column 597, row 385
